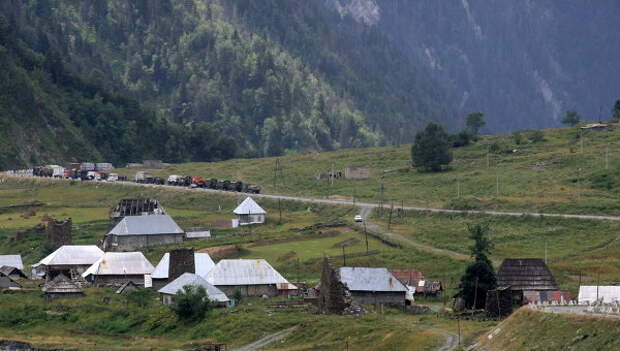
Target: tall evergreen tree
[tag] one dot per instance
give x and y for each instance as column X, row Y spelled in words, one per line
column 431, row 148
column 479, row 276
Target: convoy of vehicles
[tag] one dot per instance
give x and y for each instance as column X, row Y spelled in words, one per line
column 99, row 172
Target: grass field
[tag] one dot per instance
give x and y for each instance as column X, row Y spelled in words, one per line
column 521, row 331
column 541, row 176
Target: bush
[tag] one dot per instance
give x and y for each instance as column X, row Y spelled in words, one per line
column 191, row 304
column 463, row 138
column 141, row 297
column 517, row 138
column 431, row 149
column 537, row 136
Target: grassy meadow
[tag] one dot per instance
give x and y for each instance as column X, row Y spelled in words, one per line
column 552, row 175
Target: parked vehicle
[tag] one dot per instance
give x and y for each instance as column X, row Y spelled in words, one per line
column 198, row 182
column 358, row 218
column 113, row 177
column 252, row 189
column 174, row 179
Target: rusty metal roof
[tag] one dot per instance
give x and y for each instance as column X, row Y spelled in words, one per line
column 525, row 274
column 370, row 279
column 244, row 272
column 184, row 279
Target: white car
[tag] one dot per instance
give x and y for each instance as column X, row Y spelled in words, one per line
column 358, row 218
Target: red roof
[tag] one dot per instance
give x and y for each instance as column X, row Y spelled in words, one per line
column 407, row 276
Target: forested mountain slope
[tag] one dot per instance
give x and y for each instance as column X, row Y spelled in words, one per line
column 523, row 63
column 271, row 76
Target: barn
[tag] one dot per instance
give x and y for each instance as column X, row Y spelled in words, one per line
column 214, row 294
column 174, row 263
column 250, row 277
column 249, row 212
column 527, row 280
column 69, row 260
column 135, row 232
column 373, row 285
column 118, row 268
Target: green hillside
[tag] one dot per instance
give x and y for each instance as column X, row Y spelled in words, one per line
column 541, row 176
column 524, row 331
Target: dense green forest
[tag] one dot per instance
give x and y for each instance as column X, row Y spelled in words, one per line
column 200, row 80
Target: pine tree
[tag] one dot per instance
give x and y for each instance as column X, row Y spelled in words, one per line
column 479, row 276
column 431, row 148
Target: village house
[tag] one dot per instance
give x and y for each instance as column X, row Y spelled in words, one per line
column 173, row 264
column 214, row 294
column 528, row 280
column 117, row 268
column 250, row 277
column 248, row 212
column 592, row 293
column 61, row 287
column 69, row 260
column 373, row 286
column 135, row 232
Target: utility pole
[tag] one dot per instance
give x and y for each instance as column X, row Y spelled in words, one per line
column 488, row 159
column 280, row 209
column 366, row 235
column 331, row 176
column 458, row 187
column 607, row 157
column 598, row 280
column 497, row 185
column 344, row 257
column 458, row 325
column 546, row 252
column 578, row 183
column 381, row 201
column 390, row 217
column 581, row 139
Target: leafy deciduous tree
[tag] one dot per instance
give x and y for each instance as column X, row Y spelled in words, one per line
column 431, row 148
column 571, row 118
column 474, row 122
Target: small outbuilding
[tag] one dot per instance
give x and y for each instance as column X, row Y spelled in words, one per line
column 61, row 287
column 214, row 294
column 69, row 260
column 118, row 268
column 135, row 232
column 525, row 277
column 591, row 293
column 12, row 261
column 9, row 283
column 249, row 212
column 12, row 273
column 250, row 277
column 373, row 285
column 173, row 264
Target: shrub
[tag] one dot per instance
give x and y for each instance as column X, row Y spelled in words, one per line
column 537, row 136
column 462, row 138
column 191, row 304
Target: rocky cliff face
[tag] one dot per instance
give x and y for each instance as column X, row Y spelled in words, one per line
column 521, row 62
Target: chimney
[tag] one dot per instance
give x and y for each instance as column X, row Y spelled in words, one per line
column 181, row 261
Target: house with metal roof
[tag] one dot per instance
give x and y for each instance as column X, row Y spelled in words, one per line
column 117, row 268
column 171, row 289
column 177, row 262
column 12, row 261
column 135, row 232
column 525, row 277
column 373, row 285
column 249, row 212
column 69, row 260
column 254, row 277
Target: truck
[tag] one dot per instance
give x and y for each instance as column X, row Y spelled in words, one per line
column 197, row 182
column 252, row 189
column 113, row 177
column 87, row 166
column 174, row 179
column 103, row 166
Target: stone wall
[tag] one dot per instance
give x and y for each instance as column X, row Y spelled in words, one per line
column 59, row 231
column 249, row 290
column 383, row 298
column 134, row 242
column 181, row 261
column 334, row 297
